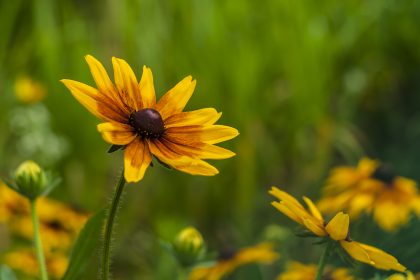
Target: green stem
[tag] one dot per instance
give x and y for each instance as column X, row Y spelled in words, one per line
column 323, row 261
column 38, row 243
column 106, row 252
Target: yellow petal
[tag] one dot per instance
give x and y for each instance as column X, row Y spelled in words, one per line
column 147, row 89
column 286, row 211
column 137, row 158
column 116, row 133
column 212, row 134
column 356, row 251
column 174, row 100
column 281, row 195
column 314, row 227
column 390, row 215
column 102, row 80
column 197, row 150
column 304, row 215
column 338, row 227
column 381, row 259
column 126, row 83
column 206, row 116
column 313, row 209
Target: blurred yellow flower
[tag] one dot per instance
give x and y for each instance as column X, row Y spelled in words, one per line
column 407, row 276
column 28, row 90
column 133, row 119
column 12, row 204
column 374, row 189
column 337, row 229
column 261, row 253
column 299, row 271
column 59, row 224
column 25, row 261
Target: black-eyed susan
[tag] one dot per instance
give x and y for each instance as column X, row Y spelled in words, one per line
column 371, row 188
column 337, row 229
column 261, row 253
column 25, row 261
column 299, row 271
column 145, row 128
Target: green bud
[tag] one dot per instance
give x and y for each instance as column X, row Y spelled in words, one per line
column 189, row 246
column 31, row 181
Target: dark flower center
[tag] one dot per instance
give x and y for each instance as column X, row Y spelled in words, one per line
column 148, row 123
column 226, row 254
column 385, row 174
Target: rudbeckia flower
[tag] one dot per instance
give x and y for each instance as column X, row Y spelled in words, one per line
column 336, row 229
column 261, row 253
column 371, row 188
column 299, row 271
column 133, row 119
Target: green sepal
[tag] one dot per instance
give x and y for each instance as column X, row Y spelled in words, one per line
column 114, row 148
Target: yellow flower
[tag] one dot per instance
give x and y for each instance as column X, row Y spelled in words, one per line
column 407, row 276
column 28, row 90
column 189, row 246
column 25, row 261
column 261, row 253
column 299, row 271
column 337, row 229
column 12, row 204
column 371, row 188
column 59, row 224
column 133, row 119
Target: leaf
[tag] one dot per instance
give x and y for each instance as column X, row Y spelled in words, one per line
column 84, row 247
column 114, row 148
column 6, row 273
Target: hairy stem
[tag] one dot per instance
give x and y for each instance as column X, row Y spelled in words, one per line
column 38, row 244
column 112, row 212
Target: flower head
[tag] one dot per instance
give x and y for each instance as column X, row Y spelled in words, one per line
column 28, row 90
column 261, row 253
column 336, row 229
column 299, row 271
column 371, row 188
column 145, row 128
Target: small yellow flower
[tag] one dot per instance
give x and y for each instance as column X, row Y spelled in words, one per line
column 299, row 271
column 133, row 119
column 12, row 204
column 28, row 90
column 408, row 276
column 337, row 229
column 261, row 253
column 25, row 261
column 188, row 246
column 371, row 188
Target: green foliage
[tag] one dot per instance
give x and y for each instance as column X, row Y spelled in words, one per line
column 6, row 273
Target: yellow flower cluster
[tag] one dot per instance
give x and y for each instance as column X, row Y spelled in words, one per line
column 59, row 226
column 299, row 271
column 371, row 188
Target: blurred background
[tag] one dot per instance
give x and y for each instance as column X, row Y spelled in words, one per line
column 309, row 85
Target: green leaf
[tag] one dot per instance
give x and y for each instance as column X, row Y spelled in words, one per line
column 114, row 148
column 6, row 273
column 84, row 247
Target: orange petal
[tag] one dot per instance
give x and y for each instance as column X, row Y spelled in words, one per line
column 116, row 133
column 137, row 158
column 102, row 80
column 126, row 83
column 206, row 116
column 147, row 89
column 174, row 100
column 338, row 227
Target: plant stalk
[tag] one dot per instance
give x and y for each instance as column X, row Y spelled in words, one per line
column 38, row 243
column 323, row 261
column 112, row 212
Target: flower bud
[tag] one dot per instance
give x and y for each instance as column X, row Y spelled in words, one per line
column 31, row 181
column 189, row 246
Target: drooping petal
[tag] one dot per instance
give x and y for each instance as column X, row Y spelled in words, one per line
column 356, row 251
column 206, row 116
column 116, row 133
column 281, row 195
column 313, row 209
column 147, row 89
column 93, row 102
column 137, row 158
column 174, row 100
column 381, row 259
column 212, row 134
column 126, row 83
column 181, row 162
column 338, row 227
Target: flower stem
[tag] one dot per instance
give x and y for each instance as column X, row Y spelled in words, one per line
column 112, row 212
column 323, row 261
column 38, row 243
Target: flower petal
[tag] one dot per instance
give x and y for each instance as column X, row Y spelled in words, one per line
column 116, row 133
column 381, row 259
column 212, row 134
column 181, row 162
column 206, row 116
column 313, row 209
column 314, row 227
column 93, row 102
column 147, row 89
column 174, row 100
column 137, row 158
column 126, row 83
column 281, row 195
column 307, row 220
column 286, row 211
column 198, row 150
column 338, row 227
column 102, row 80
column 356, row 251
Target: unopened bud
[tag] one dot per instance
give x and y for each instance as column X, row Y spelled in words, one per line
column 189, row 246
